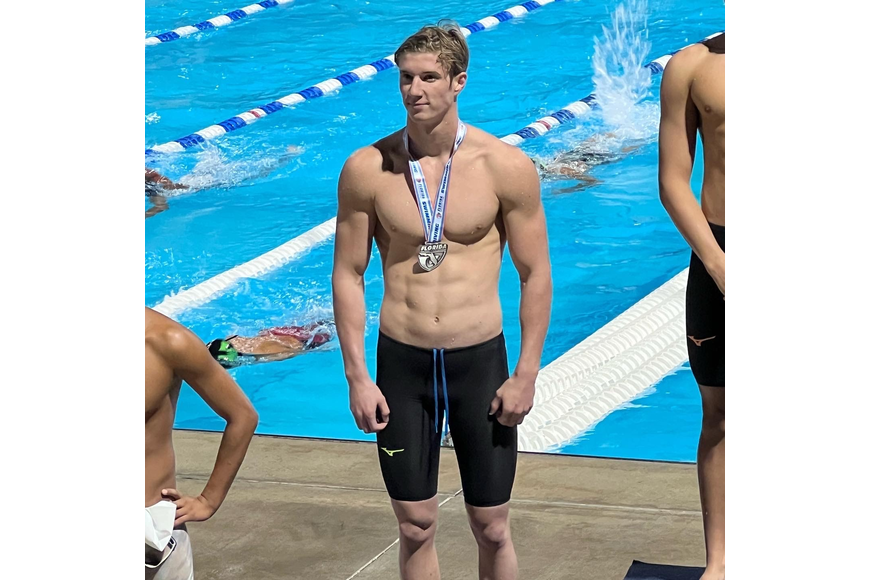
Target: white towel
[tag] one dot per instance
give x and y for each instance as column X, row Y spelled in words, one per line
column 159, row 521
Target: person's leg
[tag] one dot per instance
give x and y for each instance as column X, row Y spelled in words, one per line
column 711, row 479
column 417, row 557
column 486, row 452
column 583, row 181
column 409, row 453
column 705, row 341
column 497, row 559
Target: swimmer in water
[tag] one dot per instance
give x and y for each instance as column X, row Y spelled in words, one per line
column 272, row 344
column 206, row 175
column 156, row 185
column 576, row 163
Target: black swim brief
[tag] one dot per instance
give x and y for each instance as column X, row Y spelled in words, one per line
column 422, row 386
column 705, row 321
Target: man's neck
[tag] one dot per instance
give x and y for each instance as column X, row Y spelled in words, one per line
column 434, row 140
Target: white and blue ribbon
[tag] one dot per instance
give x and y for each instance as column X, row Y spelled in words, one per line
column 433, row 225
column 213, row 23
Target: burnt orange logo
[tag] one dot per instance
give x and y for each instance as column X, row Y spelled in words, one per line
column 698, row 341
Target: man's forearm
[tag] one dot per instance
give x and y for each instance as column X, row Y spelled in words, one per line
column 234, row 445
column 536, row 295
column 689, row 218
column 350, row 322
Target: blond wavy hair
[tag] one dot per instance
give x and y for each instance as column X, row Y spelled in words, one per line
column 445, row 40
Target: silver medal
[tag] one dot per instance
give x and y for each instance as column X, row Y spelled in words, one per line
column 430, row 256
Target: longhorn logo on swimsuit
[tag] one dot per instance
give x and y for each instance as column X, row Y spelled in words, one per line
column 391, row 451
column 430, row 256
column 698, row 341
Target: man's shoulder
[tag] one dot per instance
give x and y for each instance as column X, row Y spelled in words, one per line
column 166, row 337
column 500, row 158
column 372, row 158
column 512, row 172
column 686, row 60
column 480, row 139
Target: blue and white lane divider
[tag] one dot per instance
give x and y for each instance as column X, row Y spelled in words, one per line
column 206, row 291
column 328, row 86
column 213, row 23
column 579, row 108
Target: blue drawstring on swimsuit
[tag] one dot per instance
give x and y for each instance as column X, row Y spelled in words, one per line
column 435, row 353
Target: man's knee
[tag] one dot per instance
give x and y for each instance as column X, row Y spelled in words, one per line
column 714, row 428
column 418, row 529
column 713, row 402
column 713, row 422
column 491, row 533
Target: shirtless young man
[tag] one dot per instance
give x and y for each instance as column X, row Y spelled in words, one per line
column 441, row 351
column 173, row 354
column 693, row 100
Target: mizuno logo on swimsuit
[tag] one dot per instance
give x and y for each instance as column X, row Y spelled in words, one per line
column 390, row 452
column 698, row 341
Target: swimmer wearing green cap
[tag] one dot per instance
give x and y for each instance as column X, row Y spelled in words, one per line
column 272, row 344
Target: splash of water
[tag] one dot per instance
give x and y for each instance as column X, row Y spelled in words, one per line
column 621, row 81
column 213, row 170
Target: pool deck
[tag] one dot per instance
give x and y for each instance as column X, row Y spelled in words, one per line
column 312, row 510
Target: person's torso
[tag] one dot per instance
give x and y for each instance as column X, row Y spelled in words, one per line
column 708, row 95
column 457, row 303
column 161, row 396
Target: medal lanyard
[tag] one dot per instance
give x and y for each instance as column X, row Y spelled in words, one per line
column 433, row 225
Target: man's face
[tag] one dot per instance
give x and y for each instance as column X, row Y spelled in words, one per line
column 427, row 92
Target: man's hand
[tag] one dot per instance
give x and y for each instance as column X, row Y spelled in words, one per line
column 717, row 272
column 366, row 400
column 513, row 401
column 189, row 509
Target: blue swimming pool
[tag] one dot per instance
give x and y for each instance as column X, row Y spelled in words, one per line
column 610, row 245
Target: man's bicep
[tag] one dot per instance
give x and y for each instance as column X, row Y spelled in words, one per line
column 354, row 226
column 525, row 222
column 677, row 130
column 527, row 239
column 353, row 242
